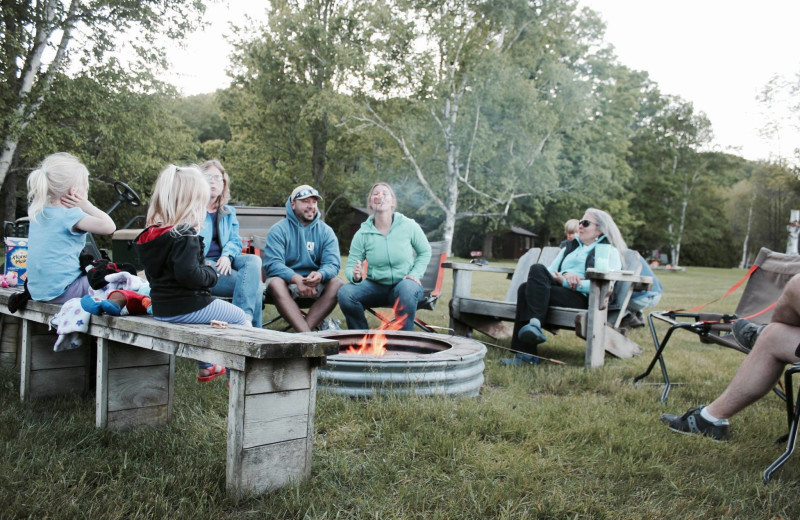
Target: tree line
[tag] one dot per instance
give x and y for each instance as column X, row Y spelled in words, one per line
column 483, row 114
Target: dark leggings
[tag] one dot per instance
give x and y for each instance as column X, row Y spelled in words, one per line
column 535, row 296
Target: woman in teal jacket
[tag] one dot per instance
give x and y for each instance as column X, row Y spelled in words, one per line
column 382, row 267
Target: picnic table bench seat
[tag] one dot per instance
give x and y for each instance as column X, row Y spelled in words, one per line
column 272, row 383
column 468, row 313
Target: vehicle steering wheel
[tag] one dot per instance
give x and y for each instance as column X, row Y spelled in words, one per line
column 126, row 194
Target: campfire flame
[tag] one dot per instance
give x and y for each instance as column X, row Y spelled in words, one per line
column 374, row 342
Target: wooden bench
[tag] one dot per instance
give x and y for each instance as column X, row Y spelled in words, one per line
column 486, row 315
column 272, row 383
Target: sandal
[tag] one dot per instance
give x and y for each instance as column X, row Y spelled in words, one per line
column 214, row 372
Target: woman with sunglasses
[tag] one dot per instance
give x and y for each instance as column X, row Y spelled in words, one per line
column 563, row 283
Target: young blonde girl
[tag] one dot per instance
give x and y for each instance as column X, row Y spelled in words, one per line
column 172, row 254
column 60, row 216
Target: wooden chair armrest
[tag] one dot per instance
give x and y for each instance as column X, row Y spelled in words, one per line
column 464, row 266
column 640, row 282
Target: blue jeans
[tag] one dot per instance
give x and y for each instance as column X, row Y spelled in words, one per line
column 244, row 285
column 354, row 298
column 644, row 301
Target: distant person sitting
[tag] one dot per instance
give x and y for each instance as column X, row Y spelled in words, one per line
column 570, row 231
column 301, row 260
column 643, row 299
column 773, row 346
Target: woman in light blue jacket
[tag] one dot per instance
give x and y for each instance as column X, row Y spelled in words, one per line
column 239, row 274
column 387, row 260
column 563, row 283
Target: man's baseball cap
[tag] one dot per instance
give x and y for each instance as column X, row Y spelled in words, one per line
column 303, row 192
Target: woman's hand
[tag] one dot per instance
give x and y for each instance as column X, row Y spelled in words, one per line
column 572, row 280
column 357, row 271
column 412, row 277
column 223, row 266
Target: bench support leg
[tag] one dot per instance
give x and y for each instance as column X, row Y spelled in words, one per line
column 44, row 373
column 270, row 424
column 134, row 386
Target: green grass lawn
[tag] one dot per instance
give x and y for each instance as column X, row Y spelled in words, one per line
column 545, row 441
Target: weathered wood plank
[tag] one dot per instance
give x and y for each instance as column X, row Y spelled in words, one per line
column 462, row 266
column 279, row 375
column 129, row 356
column 25, row 361
column 235, row 449
column 101, row 384
column 269, row 467
column 619, row 345
column 126, row 420
column 43, row 357
column 138, row 387
column 8, row 359
column 275, row 417
column 58, row 381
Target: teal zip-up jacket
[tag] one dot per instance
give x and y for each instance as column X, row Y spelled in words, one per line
column 390, row 258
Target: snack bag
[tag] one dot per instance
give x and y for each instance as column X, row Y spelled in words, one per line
column 17, row 257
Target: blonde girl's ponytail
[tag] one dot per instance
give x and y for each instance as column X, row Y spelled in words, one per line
column 37, row 192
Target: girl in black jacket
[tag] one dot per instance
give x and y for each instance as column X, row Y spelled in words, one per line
column 172, row 254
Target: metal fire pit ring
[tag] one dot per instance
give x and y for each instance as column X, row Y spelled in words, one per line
column 416, row 363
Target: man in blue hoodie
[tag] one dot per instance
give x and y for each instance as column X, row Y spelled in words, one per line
column 301, row 260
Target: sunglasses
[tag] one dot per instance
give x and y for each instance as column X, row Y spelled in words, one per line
column 586, row 223
column 306, row 193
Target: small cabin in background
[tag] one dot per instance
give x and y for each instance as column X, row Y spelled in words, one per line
column 516, row 242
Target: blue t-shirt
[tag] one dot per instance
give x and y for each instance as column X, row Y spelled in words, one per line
column 54, row 249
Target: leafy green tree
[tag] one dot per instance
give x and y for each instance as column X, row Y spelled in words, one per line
column 203, row 115
column 290, row 82
column 119, row 134
column 758, row 208
column 492, row 88
column 80, row 33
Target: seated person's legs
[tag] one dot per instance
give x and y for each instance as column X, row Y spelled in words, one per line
column 408, row 293
column 283, row 299
column 776, row 346
column 354, row 298
column 244, row 286
column 326, row 302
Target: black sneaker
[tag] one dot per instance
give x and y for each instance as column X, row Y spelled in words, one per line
column 746, row 333
column 693, row 423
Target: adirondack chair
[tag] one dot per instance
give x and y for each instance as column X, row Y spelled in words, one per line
column 468, row 313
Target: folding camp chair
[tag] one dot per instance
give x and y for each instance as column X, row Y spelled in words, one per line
column 431, row 284
column 765, row 282
column 792, row 418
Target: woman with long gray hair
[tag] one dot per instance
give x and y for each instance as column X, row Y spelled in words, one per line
column 563, row 283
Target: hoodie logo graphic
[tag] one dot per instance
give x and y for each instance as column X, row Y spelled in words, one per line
column 310, row 247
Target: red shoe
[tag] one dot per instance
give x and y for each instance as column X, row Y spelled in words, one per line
column 215, row 372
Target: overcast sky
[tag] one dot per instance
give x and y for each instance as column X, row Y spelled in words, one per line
column 717, row 54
